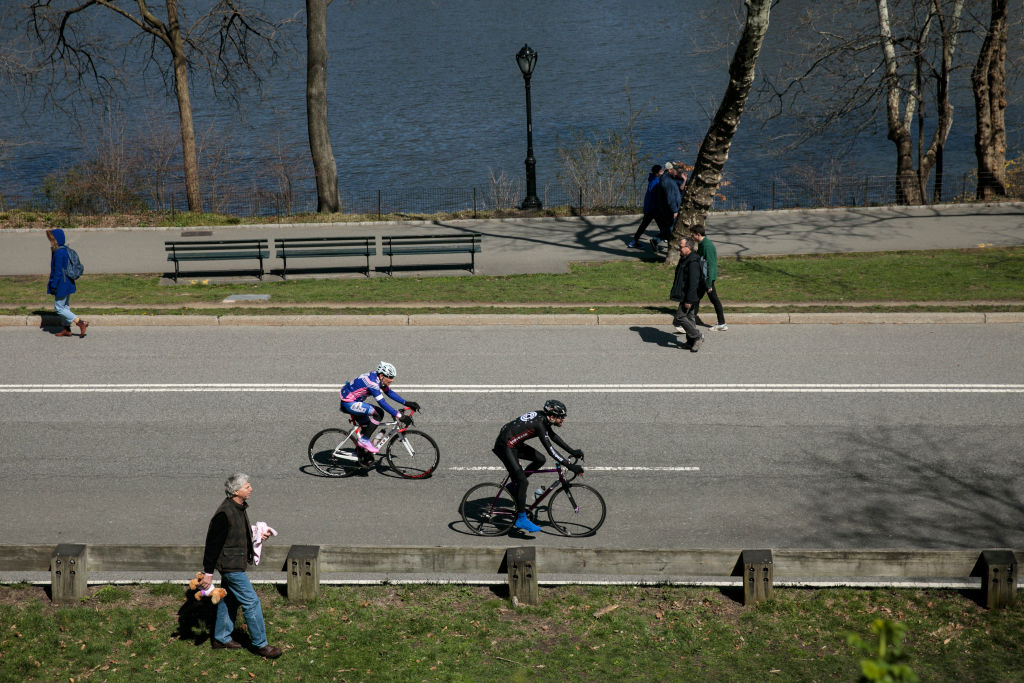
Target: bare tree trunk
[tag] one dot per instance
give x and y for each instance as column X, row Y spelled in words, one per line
column 908, row 187
column 324, row 164
column 948, row 33
column 988, row 81
column 188, row 134
column 714, row 150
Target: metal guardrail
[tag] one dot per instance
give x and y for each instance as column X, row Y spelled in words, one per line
column 995, row 570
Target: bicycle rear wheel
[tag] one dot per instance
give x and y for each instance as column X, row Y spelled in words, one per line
column 576, row 510
column 488, row 509
column 413, row 454
column 333, row 453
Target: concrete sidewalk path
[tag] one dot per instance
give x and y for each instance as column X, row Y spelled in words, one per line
column 548, row 245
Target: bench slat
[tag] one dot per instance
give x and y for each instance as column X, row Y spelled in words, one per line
column 432, row 250
column 217, row 256
column 308, row 253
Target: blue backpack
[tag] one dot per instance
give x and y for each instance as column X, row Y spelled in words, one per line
column 73, row 269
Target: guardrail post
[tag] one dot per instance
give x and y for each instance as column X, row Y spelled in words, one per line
column 522, row 575
column 69, row 576
column 998, row 578
column 303, row 565
column 758, row 575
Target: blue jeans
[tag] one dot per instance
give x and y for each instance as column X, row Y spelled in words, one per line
column 61, row 306
column 240, row 593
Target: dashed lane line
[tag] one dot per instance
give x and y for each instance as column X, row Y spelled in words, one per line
column 600, row 468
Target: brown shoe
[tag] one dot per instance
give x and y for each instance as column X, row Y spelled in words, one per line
column 81, row 326
column 269, row 651
column 66, row 332
column 230, row 645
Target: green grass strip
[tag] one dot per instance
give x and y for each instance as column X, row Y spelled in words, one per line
column 460, row 633
column 983, row 274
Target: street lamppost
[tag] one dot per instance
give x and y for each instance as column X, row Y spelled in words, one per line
column 527, row 59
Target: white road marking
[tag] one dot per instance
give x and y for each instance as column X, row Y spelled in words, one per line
column 484, row 468
column 533, row 388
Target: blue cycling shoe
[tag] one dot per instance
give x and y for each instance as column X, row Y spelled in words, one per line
column 523, row 522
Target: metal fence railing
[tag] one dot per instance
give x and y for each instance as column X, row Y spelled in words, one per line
column 735, row 195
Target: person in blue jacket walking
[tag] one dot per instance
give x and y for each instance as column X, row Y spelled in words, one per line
column 60, row 285
column 650, row 205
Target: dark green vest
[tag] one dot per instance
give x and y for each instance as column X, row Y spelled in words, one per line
column 237, row 553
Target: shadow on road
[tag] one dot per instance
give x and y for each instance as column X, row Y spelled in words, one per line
column 652, row 335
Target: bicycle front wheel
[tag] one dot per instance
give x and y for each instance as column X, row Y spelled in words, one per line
column 488, row 509
column 412, row 454
column 332, row 453
column 576, row 510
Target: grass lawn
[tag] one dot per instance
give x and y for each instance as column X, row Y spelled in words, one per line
column 463, row 633
column 918, row 277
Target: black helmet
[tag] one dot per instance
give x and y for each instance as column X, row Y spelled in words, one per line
column 555, row 408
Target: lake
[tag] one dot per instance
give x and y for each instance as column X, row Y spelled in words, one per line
column 428, row 94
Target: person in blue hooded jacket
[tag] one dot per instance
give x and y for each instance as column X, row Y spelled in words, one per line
column 650, row 205
column 60, row 285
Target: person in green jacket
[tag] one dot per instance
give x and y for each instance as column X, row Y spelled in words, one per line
column 706, row 248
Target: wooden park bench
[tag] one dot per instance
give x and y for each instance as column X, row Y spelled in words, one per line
column 324, row 247
column 420, row 245
column 216, row 250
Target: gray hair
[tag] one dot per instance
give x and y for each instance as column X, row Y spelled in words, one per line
column 235, row 482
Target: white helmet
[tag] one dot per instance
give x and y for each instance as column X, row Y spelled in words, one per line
column 386, row 369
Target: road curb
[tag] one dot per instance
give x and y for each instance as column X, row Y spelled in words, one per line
column 486, row 319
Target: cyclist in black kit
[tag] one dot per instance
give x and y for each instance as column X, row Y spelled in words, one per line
column 510, row 449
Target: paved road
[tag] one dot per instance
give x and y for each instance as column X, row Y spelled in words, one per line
column 538, row 245
column 820, row 442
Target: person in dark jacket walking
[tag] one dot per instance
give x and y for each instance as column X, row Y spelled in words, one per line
column 650, row 205
column 60, row 286
column 229, row 550
column 667, row 201
column 687, row 289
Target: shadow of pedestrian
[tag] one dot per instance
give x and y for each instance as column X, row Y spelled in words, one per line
column 653, row 335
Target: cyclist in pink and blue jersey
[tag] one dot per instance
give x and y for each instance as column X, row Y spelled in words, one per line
column 376, row 385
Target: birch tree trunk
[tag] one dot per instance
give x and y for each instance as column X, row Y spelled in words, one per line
column 908, row 187
column 714, row 150
column 324, row 165
column 988, row 81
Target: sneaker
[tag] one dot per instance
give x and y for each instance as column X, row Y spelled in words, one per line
column 367, row 445
column 719, row 328
column 633, row 245
column 680, row 330
column 695, row 344
column 523, row 522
